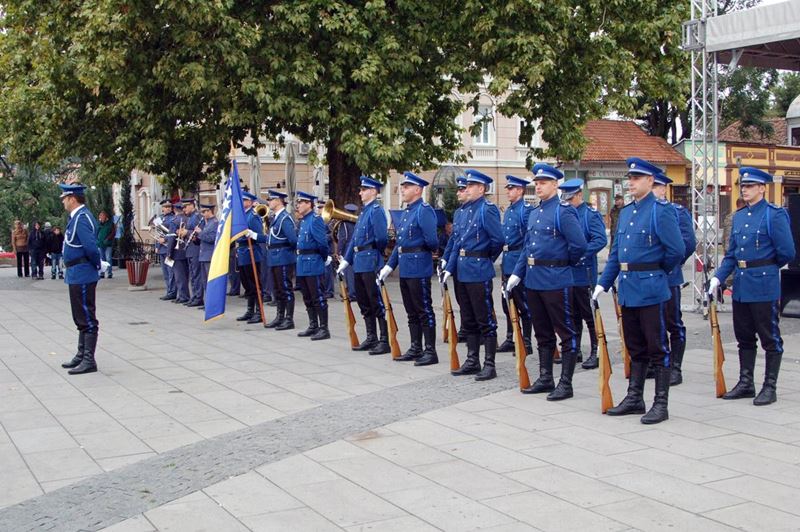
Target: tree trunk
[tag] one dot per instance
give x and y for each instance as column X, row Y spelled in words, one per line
column 343, row 176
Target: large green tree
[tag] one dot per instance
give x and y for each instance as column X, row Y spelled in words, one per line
column 166, row 86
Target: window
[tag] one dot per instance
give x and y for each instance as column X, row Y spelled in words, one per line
column 486, row 134
column 796, row 136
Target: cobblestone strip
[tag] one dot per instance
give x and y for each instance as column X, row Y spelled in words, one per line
column 106, row 499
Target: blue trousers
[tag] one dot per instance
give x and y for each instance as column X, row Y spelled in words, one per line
column 205, row 266
column 181, row 272
column 169, row 276
column 195, row 277
column 233, row 274
column 350, row 279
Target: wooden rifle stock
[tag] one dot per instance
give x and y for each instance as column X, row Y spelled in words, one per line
column 447, row 308
column 604, row 374
column 392, row 322
column 349, row 318
column 519, row 345
column 719, row 353
column 626, row 357
column 452, row 334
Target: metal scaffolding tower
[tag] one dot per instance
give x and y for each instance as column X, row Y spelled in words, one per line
column 704, row 145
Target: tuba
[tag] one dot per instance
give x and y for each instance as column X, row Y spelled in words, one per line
column 330, row 212
column 263, row 212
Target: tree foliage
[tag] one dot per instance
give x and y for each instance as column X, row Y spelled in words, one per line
column 27, row 195
column 785, row 91
column 746, row 94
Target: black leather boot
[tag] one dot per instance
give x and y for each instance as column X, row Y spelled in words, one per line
column 564, row 388
column 472, row 364
column 633, row 402
column 658, row 412
column 87, row 364
column 251, row 304
column 371, row 339
column 490, row 348
column 676, row 359
column 462, row 336
column 768, row 394
column 415, row 349
column 381, row 347
column 76, row 360
column 288, row 319
column 545, row 381
column 280, row 311
column 256, row 318
column 508, row 345
column 527, row 326
column 322, row 333
column 592, row 362
column 312, row 323
column 429, row 356
column 745, row 387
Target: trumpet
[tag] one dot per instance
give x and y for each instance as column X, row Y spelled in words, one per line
column 330, row 212
column 263, row 212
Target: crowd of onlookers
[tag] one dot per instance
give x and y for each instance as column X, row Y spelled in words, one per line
column 36, row 246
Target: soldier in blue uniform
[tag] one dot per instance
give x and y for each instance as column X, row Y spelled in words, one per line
column 162, row 248
column 245, row 262
column 180, row 266
column 554, row 242
column 207, row 238
column 647, row 246
column 327, row 276
column 413, row 252
column 584, row 274
column 344, row 235
column 515, row 225
column 677, row 331
column 365, row 254
column 478, row 241
column 82, row 259
column 760, row 245
column 313, row 255
column 281, row 244
column 190, row 233
column 461, row 190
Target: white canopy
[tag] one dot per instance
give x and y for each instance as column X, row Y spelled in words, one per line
column 767, row 36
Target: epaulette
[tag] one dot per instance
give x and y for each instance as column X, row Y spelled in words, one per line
column 663, row 201
column 591, row 208
column 565, row 204
column 776, row 207
column 742, row 207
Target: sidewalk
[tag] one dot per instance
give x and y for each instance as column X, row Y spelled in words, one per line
column 316, row 437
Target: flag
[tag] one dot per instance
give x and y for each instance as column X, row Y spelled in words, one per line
column 232, row 226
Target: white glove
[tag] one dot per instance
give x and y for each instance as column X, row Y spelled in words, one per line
column 442, row 263
column 328, row 260
column 384, row 273
column 343, row 264
column 513, row 281
column 445, row 276
column 597, row 291
column 252, row 235
column 713, row 286
column 104, row 266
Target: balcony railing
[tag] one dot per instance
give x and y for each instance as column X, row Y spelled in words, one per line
column 483, row 154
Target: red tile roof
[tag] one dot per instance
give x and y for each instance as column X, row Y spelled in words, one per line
column 752, row 136
column 613, row 141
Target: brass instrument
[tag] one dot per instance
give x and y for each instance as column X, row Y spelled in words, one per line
column 330, row 212
column 263, row 212
column 157, row 228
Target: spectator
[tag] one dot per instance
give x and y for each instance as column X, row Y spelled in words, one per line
column 19, row 245
column 619, row 202
column 105, row 240
column 55, row 247
column 37, row 248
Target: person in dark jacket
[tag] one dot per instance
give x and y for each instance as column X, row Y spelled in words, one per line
column 37, row 248
column 55, row 246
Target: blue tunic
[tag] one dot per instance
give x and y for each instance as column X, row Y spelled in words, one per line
column 515, row 224
column 594, row 230
column 242, row 248
column 282, row 240
column 675, row 277
column 371, row 232
column 477, row 242
column 416, row 241
column 80, row 247
column 312, row 246
column 208, row 237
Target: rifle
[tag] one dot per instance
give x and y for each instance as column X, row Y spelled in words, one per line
column 606, row 400
column 452, row 334
column 447, row 308
column 392, row 322
column 719, row 353
column 349, row 318
column 626, row 357
column 519, row 343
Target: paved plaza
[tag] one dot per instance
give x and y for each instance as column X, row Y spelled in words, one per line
column 224, row 426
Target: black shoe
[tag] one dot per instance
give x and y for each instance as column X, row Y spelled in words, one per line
column 545, row 381
column 256, row 318
column 658, row 412
column 591, row 363
column 110, row 275
column 633, row 403
column 278, row 316
column 312, row 323
column 195, row 304
column 745, row 388
column 288, row 320
column 251, row 305
column 564, row 388
column 429, row 356
column 381, row 347
column 415, row 349
column 53, row 277
column 768, row 394
column 322, row 333
column 87, row 364
column 76, row 360
column 60, row 275
column 372, row 337
column 102, row 276
column 490, row 348
column 507, row 346
column 472, row 365
column 167, row 297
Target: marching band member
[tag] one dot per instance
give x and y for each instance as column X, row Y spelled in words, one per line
column 207, row 238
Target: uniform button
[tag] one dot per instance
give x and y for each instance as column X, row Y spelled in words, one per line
column 749, row 214
column 741, row 249
column 624, row 276
column 631, row 223
column 624, row 249
column 634, row 211
column 651, row 275
column 744, row 238
column 537, row 221
column 628, row 236
column 747, row 225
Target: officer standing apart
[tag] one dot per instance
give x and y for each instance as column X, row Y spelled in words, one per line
column 207, row 238
column 461, row 190
column 82, row 259
column 584, row 274
column 281, row 244
column 413, row 251
column 479, row 241
column 162, row 248
column 677, row 331
column 312, row 258
column 760, row 244
column 365, row 253
column 180, row 266
column 515, row 225
column 190, row 231
column 244, row 261
column 554, row 242
column 646, row 248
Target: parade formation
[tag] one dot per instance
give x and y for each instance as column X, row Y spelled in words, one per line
column 549, row 286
